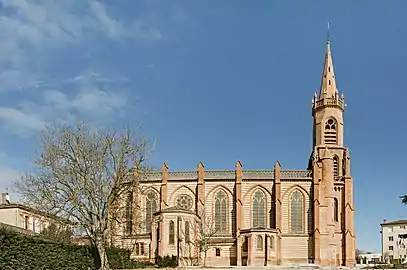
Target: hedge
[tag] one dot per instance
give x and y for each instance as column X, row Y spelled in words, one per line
column 23, row 252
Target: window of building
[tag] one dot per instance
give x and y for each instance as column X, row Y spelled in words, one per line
column 271, row 244
column 217, row 251
column 336, row 210
column 402, row 227
column 171, row 235
column 336, row 166
column 184, row 201
column 390, row 247
column 140, row 249
column 187, row 239
column 245, row 246
column 259, row 209
column 330, row 132
column 33, row 225
column 221, row 212
column 390, row 238
column 26, row 222
column 151, row 208
column 297, row 212
column 259, row 242
column 129, row 213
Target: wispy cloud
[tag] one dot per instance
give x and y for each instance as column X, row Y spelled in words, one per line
column 29, row 30
column 89, row 96
column 33, row 34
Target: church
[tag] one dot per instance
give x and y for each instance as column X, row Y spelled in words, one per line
column 244, row 217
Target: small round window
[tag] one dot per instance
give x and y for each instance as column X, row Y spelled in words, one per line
column 184, row 201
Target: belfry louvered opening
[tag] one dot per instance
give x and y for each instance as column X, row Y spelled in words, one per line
column 336, row 166
column 330, row 132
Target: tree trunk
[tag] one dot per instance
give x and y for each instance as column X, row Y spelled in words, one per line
column 204, row 264
column 104, row 261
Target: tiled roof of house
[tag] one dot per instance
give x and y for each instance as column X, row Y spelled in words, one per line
column 395, row 222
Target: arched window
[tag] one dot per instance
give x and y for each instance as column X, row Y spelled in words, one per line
column 259, row 210
column 271, row 245
column 297, row 212
column 171, row 235
column 151, row 208
column 221, row 212
column 259, row 242
column 336, row 210
column 184, row 201
column 330, row 132
column 336, row 164
column 187, row 238
column 129, row 213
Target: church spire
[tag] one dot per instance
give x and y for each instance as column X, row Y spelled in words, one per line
column 328, row 85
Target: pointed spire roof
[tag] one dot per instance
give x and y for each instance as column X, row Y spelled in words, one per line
column 328, row 84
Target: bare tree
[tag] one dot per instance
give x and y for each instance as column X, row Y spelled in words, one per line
column 206, row 230
column 83, row 174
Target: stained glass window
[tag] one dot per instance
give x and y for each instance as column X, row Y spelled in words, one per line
column 151, row 208
column 129, row 213
column 259, row 242
column 221, row 212
column 171, row 239
column 259, row 210
column 184, row 201
column 297, row 212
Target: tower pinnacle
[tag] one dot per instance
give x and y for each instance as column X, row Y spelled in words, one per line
column 328, row 84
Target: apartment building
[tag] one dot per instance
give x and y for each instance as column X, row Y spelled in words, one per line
column 22, row 217
column 394, row 240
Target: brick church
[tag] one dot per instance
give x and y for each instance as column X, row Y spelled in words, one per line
column 254, row 218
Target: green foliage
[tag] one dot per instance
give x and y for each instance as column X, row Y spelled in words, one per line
column 58, row 232
column 23, row 252
column 167, row 261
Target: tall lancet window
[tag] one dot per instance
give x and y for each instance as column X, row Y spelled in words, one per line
column 336, row 166
column 221, row 212
column 330, row 132
column 336, row 210
column 151, row 208
column 259, row 209
column 129, row 213
column 297, row 212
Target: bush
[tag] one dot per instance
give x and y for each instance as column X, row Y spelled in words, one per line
column 167, row 261
column 21, row 252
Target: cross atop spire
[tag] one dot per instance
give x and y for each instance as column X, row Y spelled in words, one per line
column 328, row 34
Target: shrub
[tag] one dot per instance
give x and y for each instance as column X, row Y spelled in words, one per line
column 167, row 261
column 21, row 252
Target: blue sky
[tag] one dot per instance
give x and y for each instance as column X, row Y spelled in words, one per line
column 215, row 81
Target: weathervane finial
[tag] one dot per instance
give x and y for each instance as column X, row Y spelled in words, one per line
column 328, row 34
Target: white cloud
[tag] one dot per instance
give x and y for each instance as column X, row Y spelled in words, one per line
column 31, row 32
column 20, row 121
column 8, row 175
column 29, row 29
column 90, row 96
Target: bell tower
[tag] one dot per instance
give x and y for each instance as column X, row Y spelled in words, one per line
column 334, row 237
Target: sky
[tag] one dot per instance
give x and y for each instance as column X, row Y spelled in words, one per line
column 212, row 81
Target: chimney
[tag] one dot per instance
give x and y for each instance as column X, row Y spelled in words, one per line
column 384, row 220
column 5, row 198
